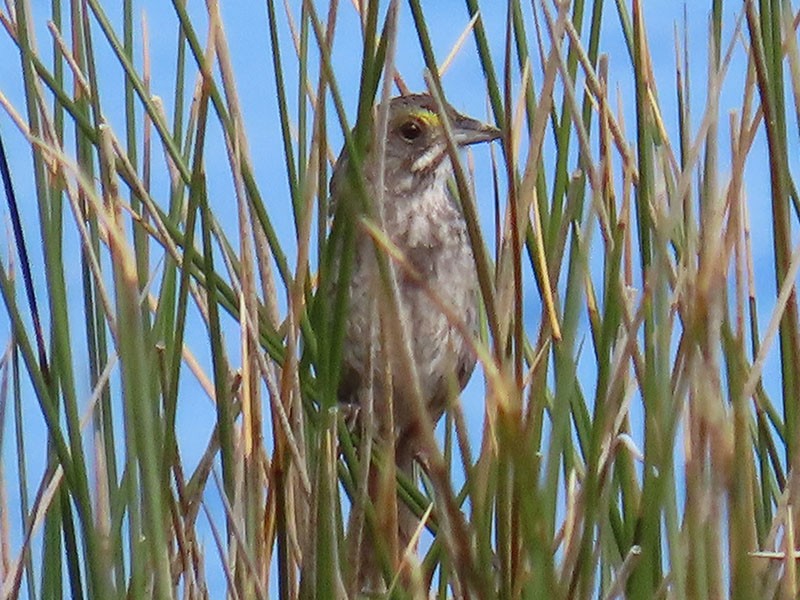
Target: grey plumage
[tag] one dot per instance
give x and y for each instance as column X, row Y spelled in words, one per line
column 426, row 224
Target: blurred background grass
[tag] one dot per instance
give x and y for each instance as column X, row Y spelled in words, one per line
column 166, row 430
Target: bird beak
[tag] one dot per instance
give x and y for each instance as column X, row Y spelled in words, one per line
column 468, row 131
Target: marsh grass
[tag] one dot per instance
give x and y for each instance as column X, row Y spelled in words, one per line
column 640, row 438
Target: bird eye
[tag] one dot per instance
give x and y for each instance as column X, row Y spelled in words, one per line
column 410, row 130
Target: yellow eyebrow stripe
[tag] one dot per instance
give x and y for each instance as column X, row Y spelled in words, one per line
column 429, row 117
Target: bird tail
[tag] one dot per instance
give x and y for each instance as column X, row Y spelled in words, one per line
column 395, row 522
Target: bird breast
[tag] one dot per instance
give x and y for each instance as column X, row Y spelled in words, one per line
column 431, row 233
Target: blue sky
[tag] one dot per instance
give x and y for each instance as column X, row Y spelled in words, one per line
column 247, row 31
